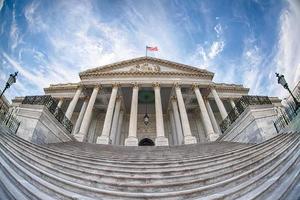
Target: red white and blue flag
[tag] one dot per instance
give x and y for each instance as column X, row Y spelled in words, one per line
column 151, row 48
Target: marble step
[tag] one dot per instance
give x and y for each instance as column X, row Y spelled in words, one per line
column 37, row 169
column 255, row 187
column 126, row 163
column 169, row 195
column 207, row 149
column 94, row 164
column 169, row 173
column 142, row 171
column 148, row 186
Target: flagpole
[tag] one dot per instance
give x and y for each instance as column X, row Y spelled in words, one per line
column 146, row 51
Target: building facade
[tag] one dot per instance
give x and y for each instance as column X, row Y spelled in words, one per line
column 182, row 104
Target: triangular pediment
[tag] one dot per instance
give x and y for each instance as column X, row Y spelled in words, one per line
column 145, row 65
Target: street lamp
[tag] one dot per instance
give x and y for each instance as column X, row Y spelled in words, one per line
column 282, row 81
column 11, row 80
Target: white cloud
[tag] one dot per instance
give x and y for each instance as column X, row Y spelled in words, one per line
column 206, row 53
column 1, row 4
column 287, row 60
column 215, row 49
column 14, row 31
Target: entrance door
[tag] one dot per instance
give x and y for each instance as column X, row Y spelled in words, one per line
column 146, row 142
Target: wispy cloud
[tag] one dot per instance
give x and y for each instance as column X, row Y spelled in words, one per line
column 287, row 59
column 1, row 4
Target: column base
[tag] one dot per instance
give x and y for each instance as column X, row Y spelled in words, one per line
column 190, row 140
column 79, row 137
column 131, row 141
column 213, row 137
column 103, row 140
column 161, row 141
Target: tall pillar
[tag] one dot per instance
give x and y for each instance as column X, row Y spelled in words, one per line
column 115, row 121
column 132, row 140
column 232, row 103
column 160, row 139
column 80, row 116
column 86, row 121
column 177, row 121
column 204, row 114
column 212, row 117
column 73, row 103
column 220, row 104
column 188, row 138
column 119, row 128
column 173, row 128
column 60, row 102
column 104, row 138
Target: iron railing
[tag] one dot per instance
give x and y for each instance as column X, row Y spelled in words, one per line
column 240, row 107
column 51, row 105
column 286, row 116
column 8, row 120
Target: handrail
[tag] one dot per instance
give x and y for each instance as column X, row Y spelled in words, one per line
column 51, row 104
column 9, row 121
column 240, row 107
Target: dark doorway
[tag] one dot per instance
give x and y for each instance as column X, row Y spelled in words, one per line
column 146, row 142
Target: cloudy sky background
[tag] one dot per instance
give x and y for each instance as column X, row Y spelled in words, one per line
column 242, row 42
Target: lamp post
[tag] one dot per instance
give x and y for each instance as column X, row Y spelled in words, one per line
column 11, row 80
column 282, row 81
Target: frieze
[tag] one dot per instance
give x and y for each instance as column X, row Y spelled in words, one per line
column 145, row 67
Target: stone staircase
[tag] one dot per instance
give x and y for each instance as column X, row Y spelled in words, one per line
column 217, row 170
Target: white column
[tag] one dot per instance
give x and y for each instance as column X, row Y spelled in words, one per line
column 188, row 138
column 60, row 102
column 220, row 104
column 80, row 116
column 232, row 103
column 73, row 103
column 160, row 139
column 132, row 139
column 204, row 114
column 212, row 117
column 177, row 121
column 84, row 128
column 119, row 129
column 115, row 121
column 104, row 138
column 173, row 128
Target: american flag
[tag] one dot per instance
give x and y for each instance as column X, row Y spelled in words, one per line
column 151, row 48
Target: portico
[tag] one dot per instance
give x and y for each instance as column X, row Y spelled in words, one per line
column 108, row 105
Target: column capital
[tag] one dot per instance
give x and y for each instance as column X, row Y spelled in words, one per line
column 177, row 85
column 116, row 84
column 156, row 85
column 99, row 86
column 195, row 85
column 212, row 86
column 135, row 84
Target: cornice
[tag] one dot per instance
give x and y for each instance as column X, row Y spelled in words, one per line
column 62, row 86
column 141, row 74
column 231, row 87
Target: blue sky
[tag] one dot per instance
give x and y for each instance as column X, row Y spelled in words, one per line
column 241, row 41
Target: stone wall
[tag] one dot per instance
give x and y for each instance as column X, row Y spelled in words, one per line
column 254, row 125
column 39, row 126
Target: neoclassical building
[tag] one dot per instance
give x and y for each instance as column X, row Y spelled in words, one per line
column 146, row 100
column 208, row 140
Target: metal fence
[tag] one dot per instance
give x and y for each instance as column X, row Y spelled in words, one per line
column 240, row 107
column 8, row 120
column 286, row 116
column 51, row 104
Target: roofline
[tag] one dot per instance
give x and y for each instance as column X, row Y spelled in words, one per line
column 144, row 58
